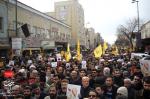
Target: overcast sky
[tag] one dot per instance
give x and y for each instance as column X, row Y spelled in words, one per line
column 103, row 15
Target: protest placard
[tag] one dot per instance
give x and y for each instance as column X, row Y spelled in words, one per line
column 145, row 67
column 54, row 64
column 73, row 91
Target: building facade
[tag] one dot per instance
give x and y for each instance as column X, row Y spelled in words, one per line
column 92, row 38
column 145, row 36
column 4, row 40
column 145, row 30
column 72, row 13
column 45, row 31
column 42, row 28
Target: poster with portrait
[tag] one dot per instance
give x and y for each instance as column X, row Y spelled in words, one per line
column 83, row 64
column 145, row 67
column 73, row 91
column 54, row 64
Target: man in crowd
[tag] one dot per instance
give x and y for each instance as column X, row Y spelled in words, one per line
column 27, row 92
column 52, row 92
column 85, row 88
column 146, row 91
column 41, row 76
column 128, row 85
column 110, row 90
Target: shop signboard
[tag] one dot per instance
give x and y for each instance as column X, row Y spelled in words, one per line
column 16, row 43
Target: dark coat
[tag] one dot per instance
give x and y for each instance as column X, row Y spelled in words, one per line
column 84, row 92
column 75, row 82
column 110, row 94
column 146, row 94
column 131, row 93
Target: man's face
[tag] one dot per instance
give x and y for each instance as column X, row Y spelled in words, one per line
column 136, row 80
column 85, row 82
column 64, row 87
column 82, row 73
column 15, row 91
column 37, row 91
column 146, row 86
column 98, row 90
column 74, row 74
column 76, row 68
column 52, row 92
column 117, row 73
column 92, row 95
column 109, row 82
column 60, row 70
column 127, row 84
column 94, row 73
column 56, row 79
column 27, row 92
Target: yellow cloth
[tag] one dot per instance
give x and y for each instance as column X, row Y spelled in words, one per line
column 98, row 51
column 105, row 46
column 79, row 56
column 114, row 50
column 68, row 54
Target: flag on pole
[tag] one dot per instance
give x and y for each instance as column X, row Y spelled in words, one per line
column 68, row 54
column 105, row 46
column 78, row 51
column 98, row 51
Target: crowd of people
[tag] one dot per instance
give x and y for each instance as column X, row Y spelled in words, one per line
column 109, row 77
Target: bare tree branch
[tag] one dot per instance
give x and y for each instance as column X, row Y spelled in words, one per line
column 128, row 29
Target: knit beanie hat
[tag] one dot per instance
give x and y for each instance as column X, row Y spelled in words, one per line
column 122, row 91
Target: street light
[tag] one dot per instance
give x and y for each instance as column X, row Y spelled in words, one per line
column 136, row 1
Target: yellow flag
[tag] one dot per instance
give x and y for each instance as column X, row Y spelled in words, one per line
column 62, row 53
column 114, row 50
column 105, row 46
column 98, row 51
column 79, row 56
column 68, row 54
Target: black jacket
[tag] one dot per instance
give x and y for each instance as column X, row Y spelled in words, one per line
column 110, row 94
column 84, row 92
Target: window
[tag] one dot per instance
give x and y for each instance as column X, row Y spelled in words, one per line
column 1, row 24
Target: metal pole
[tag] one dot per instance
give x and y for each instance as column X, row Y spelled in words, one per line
column 16, row 19
column 138, row 19
column 138, row 15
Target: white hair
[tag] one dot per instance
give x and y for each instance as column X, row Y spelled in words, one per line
column 128, row 80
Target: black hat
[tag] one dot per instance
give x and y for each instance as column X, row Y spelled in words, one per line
column 146, row 79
